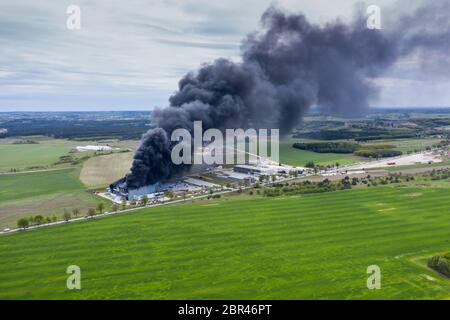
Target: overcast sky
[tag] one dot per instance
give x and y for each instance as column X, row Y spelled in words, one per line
column 130, row 54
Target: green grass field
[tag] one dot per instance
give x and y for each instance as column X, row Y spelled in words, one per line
column 297, row 157
column 20, row 156
column 45, row 193
column 101, row 171
column 47, row 152
column 24, row 185
column 308, row 247
column 409, row 145
column 42, row 188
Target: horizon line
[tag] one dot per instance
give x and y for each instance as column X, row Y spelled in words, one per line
column 150, row 110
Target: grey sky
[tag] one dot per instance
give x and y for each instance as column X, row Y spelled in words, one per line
column 130, row 54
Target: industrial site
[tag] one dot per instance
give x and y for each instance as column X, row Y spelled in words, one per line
column 231, row 157
column 205, row 180
column 214, row 179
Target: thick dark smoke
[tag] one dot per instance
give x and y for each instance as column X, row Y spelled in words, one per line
column 286, row 68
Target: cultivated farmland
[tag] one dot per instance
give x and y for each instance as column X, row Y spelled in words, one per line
column 297, row 157
column 45, row 152
column 23, row 185
column 302, row 247
column 44, row 192
column 103, row 170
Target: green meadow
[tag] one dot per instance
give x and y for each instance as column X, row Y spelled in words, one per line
column 31, row 183
column 45, row 153
column 23, row 185
column 248, row 247
column 412, row 145
column 43, row 192
column 297, row 157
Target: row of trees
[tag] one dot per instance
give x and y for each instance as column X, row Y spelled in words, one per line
column 318, row 168
column 377, row 153
column 306, row 187
column 367, row 151
column 81, row 129
column 441, row 174
column 367, row 134
column 38, row 220
column 328, row 147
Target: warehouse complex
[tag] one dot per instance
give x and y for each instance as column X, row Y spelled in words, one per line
column 213, row 179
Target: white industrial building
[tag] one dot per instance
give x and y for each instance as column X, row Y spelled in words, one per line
column 201, row 183
column 266, row 169
column 93, row 148
column 239, row 177
column 247, row 169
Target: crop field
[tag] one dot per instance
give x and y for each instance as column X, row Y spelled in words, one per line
column 44, row 192
column 297, row 157
column 410, row 145
column 23, row 185
column 45, row 153
column 304, row 247
column 101, row 171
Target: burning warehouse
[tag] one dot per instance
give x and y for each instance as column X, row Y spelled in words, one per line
column 288, row 66
column 120, row 188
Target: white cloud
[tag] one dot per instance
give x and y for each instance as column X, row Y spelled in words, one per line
column 134, row 49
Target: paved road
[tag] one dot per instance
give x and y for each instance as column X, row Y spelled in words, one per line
column 106, row 214
column 311, row 177
column 34, row 171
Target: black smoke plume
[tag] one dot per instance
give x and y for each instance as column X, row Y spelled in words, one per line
column 286, row 68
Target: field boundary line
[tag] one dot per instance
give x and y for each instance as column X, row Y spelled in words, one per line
column 36, row 171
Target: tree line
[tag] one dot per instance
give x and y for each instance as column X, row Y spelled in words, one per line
column 367, row 151
column 328, row 147
column 308, row 187
column 26, row 222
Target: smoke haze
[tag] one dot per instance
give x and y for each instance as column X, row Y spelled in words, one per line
column 286, row 68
